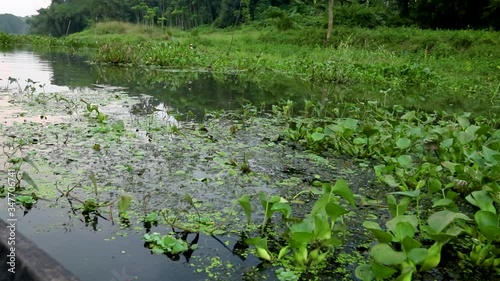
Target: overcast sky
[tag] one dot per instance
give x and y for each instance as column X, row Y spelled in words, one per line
column 22, row 7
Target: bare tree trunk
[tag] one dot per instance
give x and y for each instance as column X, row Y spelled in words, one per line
column 330, row 21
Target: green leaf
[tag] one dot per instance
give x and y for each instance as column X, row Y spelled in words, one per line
column 488, row 224
column 29, row 180
column 483, row 200
column 334, row 211
column 317, row 136
column 403, row 143
column 359, row 141
column 411, row 219
column 405, row 161
column 302, row 237
column 412, row 194
column 404, row 229
column 381, row 271
column 29, row 161
column 380, row 235
column 440, row 220
column 284, row 251
column 418, row 255
column 124, row 203
column 409, row 243
column 342, row 188
column 384, row 254
column 434, row 184
column 246, row 206
column 463, row 121
column 282, row 207
column 364, row 272
column 446, row 143
column 433, row 257
column 490, row 155
column 390, row 180
column 465, row 137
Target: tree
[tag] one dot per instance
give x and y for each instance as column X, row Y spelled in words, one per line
column 330, row 21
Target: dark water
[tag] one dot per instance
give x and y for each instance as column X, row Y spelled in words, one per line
column 181, row 91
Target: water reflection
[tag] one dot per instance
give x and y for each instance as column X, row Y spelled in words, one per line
column 183, row 91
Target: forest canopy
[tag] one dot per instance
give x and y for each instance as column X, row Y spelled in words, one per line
column 68, row 16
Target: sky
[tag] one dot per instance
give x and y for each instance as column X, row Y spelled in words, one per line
column 22, row 8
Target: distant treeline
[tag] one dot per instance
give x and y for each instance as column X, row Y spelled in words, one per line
column 12, row 24
column 69, row 16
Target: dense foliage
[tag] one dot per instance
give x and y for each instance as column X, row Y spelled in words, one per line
column 12, row 24
column 68, row 16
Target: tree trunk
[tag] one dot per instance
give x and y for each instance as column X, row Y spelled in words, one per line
column 330, row 21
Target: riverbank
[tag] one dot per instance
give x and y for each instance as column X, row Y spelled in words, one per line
column 430, row 70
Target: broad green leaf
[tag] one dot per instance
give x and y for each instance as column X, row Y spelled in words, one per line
column 482, row 199
column 440, row 220
column 446, row 143
column 384, row 254
column 465, row 137
column 390, row 180
column 418, row 255
column 284, row 208
column 434, row 184
column 463, row 121
column 380, row 235
column 411, row 219
column 322, row 229
column 342, row 188
column 433, row 257
column 364, row 272
column 26, row 177
column 334, row 211
column 486, row 218
column 317, row 136
column 443, row 202
column 403, row 143
column 351, row 124
column 302, row 237
column 406, row 274
column 247, row 207
column 492, row 156
column 359, row 141
column 381, row 271
column 488, row 224
column 404, row 229
column 409, row 243
column 405, row 161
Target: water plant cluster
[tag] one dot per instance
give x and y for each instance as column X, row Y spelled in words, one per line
column 436, row 163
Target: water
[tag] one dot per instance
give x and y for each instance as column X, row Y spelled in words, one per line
column 181, row 91
column 99, row 253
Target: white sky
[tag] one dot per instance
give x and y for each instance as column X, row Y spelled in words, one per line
column 22, row 7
